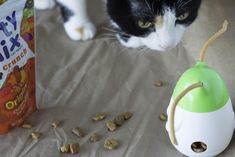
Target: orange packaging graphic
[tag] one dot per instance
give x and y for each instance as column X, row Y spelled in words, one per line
column 17, row 63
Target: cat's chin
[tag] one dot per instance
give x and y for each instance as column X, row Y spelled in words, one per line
column 160, row 48
column 135, row 42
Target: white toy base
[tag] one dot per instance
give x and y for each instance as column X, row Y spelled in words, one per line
column 215, row 129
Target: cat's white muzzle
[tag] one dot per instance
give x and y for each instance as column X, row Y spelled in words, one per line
column 164, row 39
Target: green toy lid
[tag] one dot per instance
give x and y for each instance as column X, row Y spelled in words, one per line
column 211, row 97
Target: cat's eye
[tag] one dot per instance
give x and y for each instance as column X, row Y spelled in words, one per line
column 144, row 24
column 183, row 16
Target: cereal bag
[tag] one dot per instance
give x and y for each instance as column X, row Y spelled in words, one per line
column 17, row 63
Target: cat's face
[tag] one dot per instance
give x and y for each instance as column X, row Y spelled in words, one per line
column 159, row 24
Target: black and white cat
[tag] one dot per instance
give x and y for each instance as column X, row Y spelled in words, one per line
column 156, row 24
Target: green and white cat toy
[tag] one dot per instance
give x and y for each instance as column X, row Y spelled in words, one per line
column 201, row 118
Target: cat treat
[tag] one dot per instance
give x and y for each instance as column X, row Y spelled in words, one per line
column 127, row 115
column 111, row 126
column 65, row 148
column 94, row 137
column 111, row 143
column 56, row 124
column 119, row 120
column 36, row 135
column 78, row 132
column 99, row 117
column 27, row 125
column 70, row 148
column 74, row 148
column 158, row 83
column 163, row 117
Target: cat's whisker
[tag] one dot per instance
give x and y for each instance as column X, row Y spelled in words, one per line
column 122, row 50
column 107, row 38
column 149, row 7
column 110, row 24
column 143, row 51
column 146, row 14
column 153, row 3
column 108, row 35
column 185, row 4
column 179, row 3
column 110, row 29
column 139, row 49
column 110, row 39
column 114, row 31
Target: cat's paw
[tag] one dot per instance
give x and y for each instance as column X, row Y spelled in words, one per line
column 44, row 4
column 129, row 41
column 80, row 31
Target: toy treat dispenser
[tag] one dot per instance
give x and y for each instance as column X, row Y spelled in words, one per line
column 201, row 117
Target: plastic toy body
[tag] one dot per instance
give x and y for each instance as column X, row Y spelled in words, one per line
column 200, row 115
column 205, row 115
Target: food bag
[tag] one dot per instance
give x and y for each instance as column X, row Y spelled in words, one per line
column 17, row 63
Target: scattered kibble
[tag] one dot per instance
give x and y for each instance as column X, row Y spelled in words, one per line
column 99, row 117
column 65, row 148
column 56, row 124
column 158, row 83
column 194, row 145
column 119, row 120
column 74, row 148
column 111, row 143
column 70, row 148
column 127, row 115
column 36, row 135
column 163, row 117
column 199, row 147
column 78, row 132
column 27, row 126
column 94, row 137
column 198, row 150
column 204, row 146
column 111, row 126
